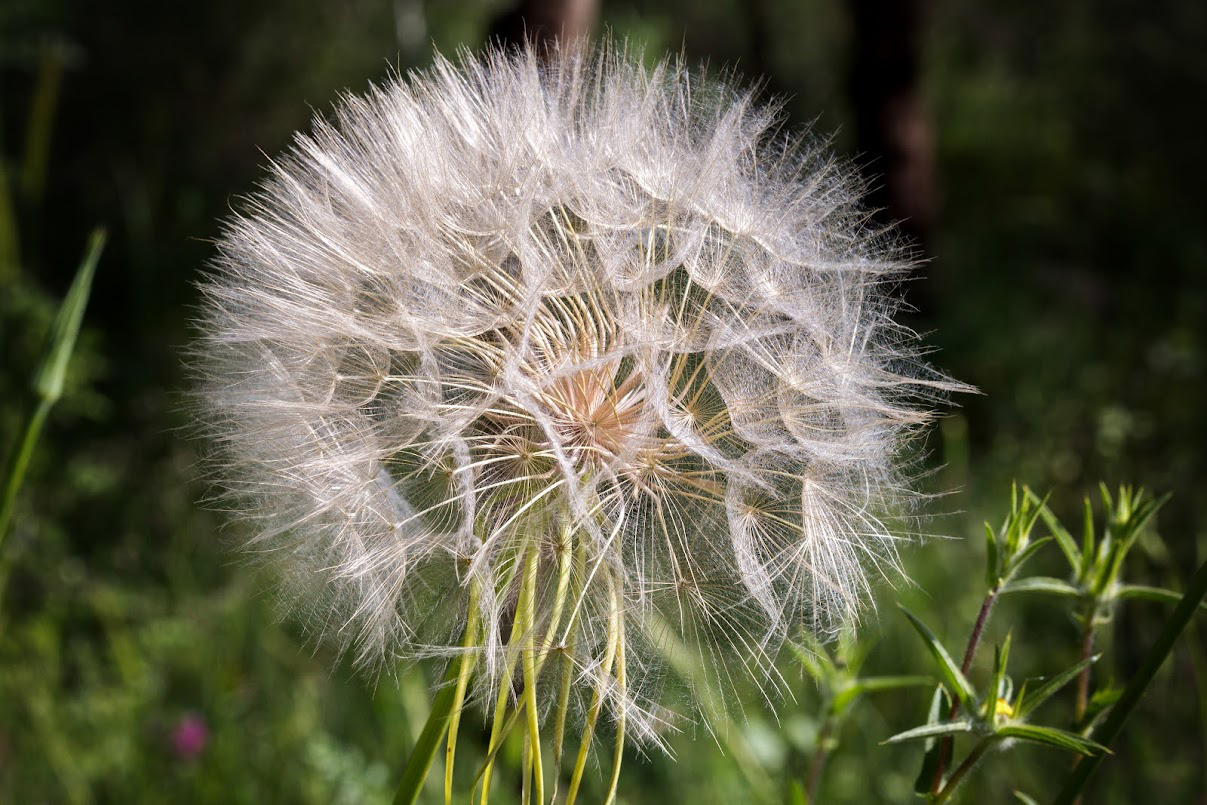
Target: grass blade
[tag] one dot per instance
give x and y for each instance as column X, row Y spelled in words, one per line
column 51, row 375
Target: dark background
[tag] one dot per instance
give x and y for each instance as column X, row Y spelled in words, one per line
column 1048, row 159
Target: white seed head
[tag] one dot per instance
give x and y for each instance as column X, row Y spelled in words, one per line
column 579, row 307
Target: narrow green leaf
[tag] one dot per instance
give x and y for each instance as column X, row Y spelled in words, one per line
column 1024, row 798
column 1028, row 516
column 1099, row 705
column 1022, row 558
column 1106, row 570
column 1001, row 656
column 932, row 731
column 1051, row 736
column 48, row 382
column 1013, row 523
column 1041, row 584
column 51, row 375
column 420, row 762
column 797, row 795
column 940, row 705
column 1088, row 547
column 876, row 684
column 1063, row 538
column 951, row 674
column 1045, row 691
column 1146, row 593
column 993, row 570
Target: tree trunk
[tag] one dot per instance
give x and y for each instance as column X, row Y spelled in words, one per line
column 544, row 22
column 894, row 133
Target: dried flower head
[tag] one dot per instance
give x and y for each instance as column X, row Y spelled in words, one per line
column 561, row 366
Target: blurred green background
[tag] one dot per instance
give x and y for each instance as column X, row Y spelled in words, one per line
column 1059, row 150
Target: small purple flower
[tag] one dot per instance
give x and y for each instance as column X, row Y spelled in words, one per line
column 189, row 736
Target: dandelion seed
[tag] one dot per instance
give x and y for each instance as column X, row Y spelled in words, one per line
column 542, row 367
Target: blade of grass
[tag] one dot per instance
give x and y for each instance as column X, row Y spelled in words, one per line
column 51, row 376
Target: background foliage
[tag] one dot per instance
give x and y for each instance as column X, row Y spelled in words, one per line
column 1067, row 283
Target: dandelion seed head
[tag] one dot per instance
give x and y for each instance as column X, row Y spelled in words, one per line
column 577, row 306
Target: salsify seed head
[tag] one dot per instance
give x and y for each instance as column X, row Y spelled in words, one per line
column 568, row 323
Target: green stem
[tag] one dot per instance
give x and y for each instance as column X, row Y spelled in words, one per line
column 1139, row 683
column 567, row 676
column 621, row 682
column 497, row 732
column 605, row 670
column 1082, row 702
column 420, row 761
column 818, row 764
column 468, row 659
column 962, row 770
column 529, row 664
column 50, row 379
column 974, row 640
column 19, row 462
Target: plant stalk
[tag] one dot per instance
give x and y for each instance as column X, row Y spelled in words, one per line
column 1082, row 702
column 818, row 764
column 1161, row 649
column 962, row 770
column 420, row 761
column 974, row 641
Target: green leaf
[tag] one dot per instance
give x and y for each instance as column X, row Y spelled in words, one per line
column 420, row 762
column 1024, row 798
column 1045, row 691
column 49, row 380
column 1022, row 558
column 876, row 684
column 1001, row 656
column 1011, row 531
column 1028, row 516
column 1041, row 584
column 1100, row 703
column 940, row 705
column 957, row 683
column 1063, row 538
column 52, row 374
column 1087, row 542
column 992, row 566
column 1051, row 736
column 1147, row 593
column 939, row 730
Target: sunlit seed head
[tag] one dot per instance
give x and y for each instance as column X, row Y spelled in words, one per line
column 583, row 310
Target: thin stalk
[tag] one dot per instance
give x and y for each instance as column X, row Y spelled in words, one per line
column 1161, row 649
column 420, row 761
column 468, row 660
column 567, row 677
column 618, row 752
column 978, row 628
column 496, row 726
column 962, row 770
column 526, row 774
column 19, row 462
column 584, row 746
column 559, row 606
column 48, row 383
column 974, row 640
column 529, row 663
column 1082, row 701
column 818, row 764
